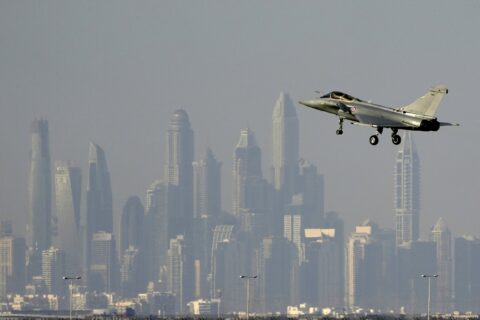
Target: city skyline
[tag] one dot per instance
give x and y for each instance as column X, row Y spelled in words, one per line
column 81, row 95
column 186, row 254
column 206, row 167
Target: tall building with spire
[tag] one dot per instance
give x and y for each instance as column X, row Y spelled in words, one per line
column 178, row 168
column 99, row 200
column 39, row 189
column 285, row 148
column 444, row 291
column 68, row 183
column 407, row 192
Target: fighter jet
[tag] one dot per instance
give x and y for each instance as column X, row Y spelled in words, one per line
column 418, row 116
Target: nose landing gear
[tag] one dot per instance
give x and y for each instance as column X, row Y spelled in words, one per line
column 340, row 126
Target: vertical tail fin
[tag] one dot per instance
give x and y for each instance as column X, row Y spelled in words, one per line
column 428, row 103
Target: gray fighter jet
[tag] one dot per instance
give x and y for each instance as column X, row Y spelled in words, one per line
column 419, row 115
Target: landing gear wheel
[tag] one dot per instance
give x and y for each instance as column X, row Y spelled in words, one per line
column 396, row 139
column 374, row 140
column 340, row 126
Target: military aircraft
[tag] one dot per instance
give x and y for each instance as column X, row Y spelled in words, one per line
column 419, row 115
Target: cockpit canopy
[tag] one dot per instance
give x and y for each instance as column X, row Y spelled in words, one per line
column 340, row 96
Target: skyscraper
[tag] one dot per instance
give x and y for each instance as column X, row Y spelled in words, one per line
column 160, row 209
column 444, row 292
column 292, row 231
column 227, row 266
column 99, row 192
column 407, row 191
column 178, row 168
column 103, row 265
column 178, row 275
column 132, row 230
column 221, row 233
column 285, row 148
column 39, row 189
column 206, row 213
column 207, row 186
column 312, row 188
column 68, row 180
column 413, row 259
column 364, row 267
column 276, row 261
column 247, row 173
column 12, row 265
column 53, row 269
column 99, row 202
column 132, row 277
column 466, row 279
column 323, row 271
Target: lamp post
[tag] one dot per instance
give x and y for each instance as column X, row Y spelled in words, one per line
column 248, row 290
column 71, row 285
column 429, row 277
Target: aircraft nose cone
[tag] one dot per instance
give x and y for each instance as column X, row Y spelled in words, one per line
column 307, row 103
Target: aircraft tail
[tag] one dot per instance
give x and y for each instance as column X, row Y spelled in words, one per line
column 428, row 103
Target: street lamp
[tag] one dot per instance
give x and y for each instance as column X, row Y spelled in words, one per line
column 248, row 290
column 429, row 277
column 71, row 285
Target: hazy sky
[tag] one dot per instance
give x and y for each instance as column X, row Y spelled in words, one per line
column 114, row 71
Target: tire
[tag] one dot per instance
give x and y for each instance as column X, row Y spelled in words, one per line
column 339, row 132
column 374, row 140
column 396, row 139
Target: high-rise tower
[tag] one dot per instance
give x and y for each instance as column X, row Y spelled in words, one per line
column 178, row 167
column 285, row 148
column 247, row 173
column 132, row 225
column 39, row 189
column 160, row 202
column 53, row 269
column 207, row 186
column 68, row 180
column 466, row 280
column 12, row 264
column 407, row 192
column 99, row 192
column 444, row 292
column 99, row 201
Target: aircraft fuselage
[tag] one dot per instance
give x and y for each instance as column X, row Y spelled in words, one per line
column 374, row 115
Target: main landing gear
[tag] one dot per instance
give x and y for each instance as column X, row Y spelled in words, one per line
column 340, row 126
column 374, row 139
column 396, row 139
